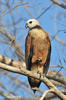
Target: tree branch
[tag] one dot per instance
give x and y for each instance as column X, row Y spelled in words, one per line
column 13, row 43
column 55, row 77
column 45, row 93
column 52, row 75
column 34, row 75
column 59, row 3
column 57, row 39
column 9, row 61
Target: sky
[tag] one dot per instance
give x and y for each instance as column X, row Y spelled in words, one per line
column 51, row 21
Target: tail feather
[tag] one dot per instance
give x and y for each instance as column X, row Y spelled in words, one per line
column 35, row 68
column 34, row 83
column 34, row 91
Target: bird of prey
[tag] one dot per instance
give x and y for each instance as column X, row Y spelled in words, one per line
column 37, row 51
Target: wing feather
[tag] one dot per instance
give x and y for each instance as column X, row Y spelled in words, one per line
column 27, row 51
column 37, row 47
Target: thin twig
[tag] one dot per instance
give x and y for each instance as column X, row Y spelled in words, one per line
column 45, row 10
column 59, row 3
column 13, row 43
column 45, row 93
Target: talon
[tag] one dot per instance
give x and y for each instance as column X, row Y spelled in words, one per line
column 43, row 75
column 19, row 67
column 39, row 74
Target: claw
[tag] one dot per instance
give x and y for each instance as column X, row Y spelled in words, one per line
column 39, row 74
column 43, row 75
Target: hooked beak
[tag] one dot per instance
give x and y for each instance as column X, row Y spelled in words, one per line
column 26, row 25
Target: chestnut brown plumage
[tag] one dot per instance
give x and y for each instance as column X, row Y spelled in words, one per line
column 37, row 51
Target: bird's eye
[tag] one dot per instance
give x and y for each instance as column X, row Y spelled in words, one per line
column 30, row 22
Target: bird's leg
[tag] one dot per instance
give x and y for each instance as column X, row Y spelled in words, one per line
column 39, row 60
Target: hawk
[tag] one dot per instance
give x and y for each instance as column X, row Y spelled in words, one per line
column 37, row 51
